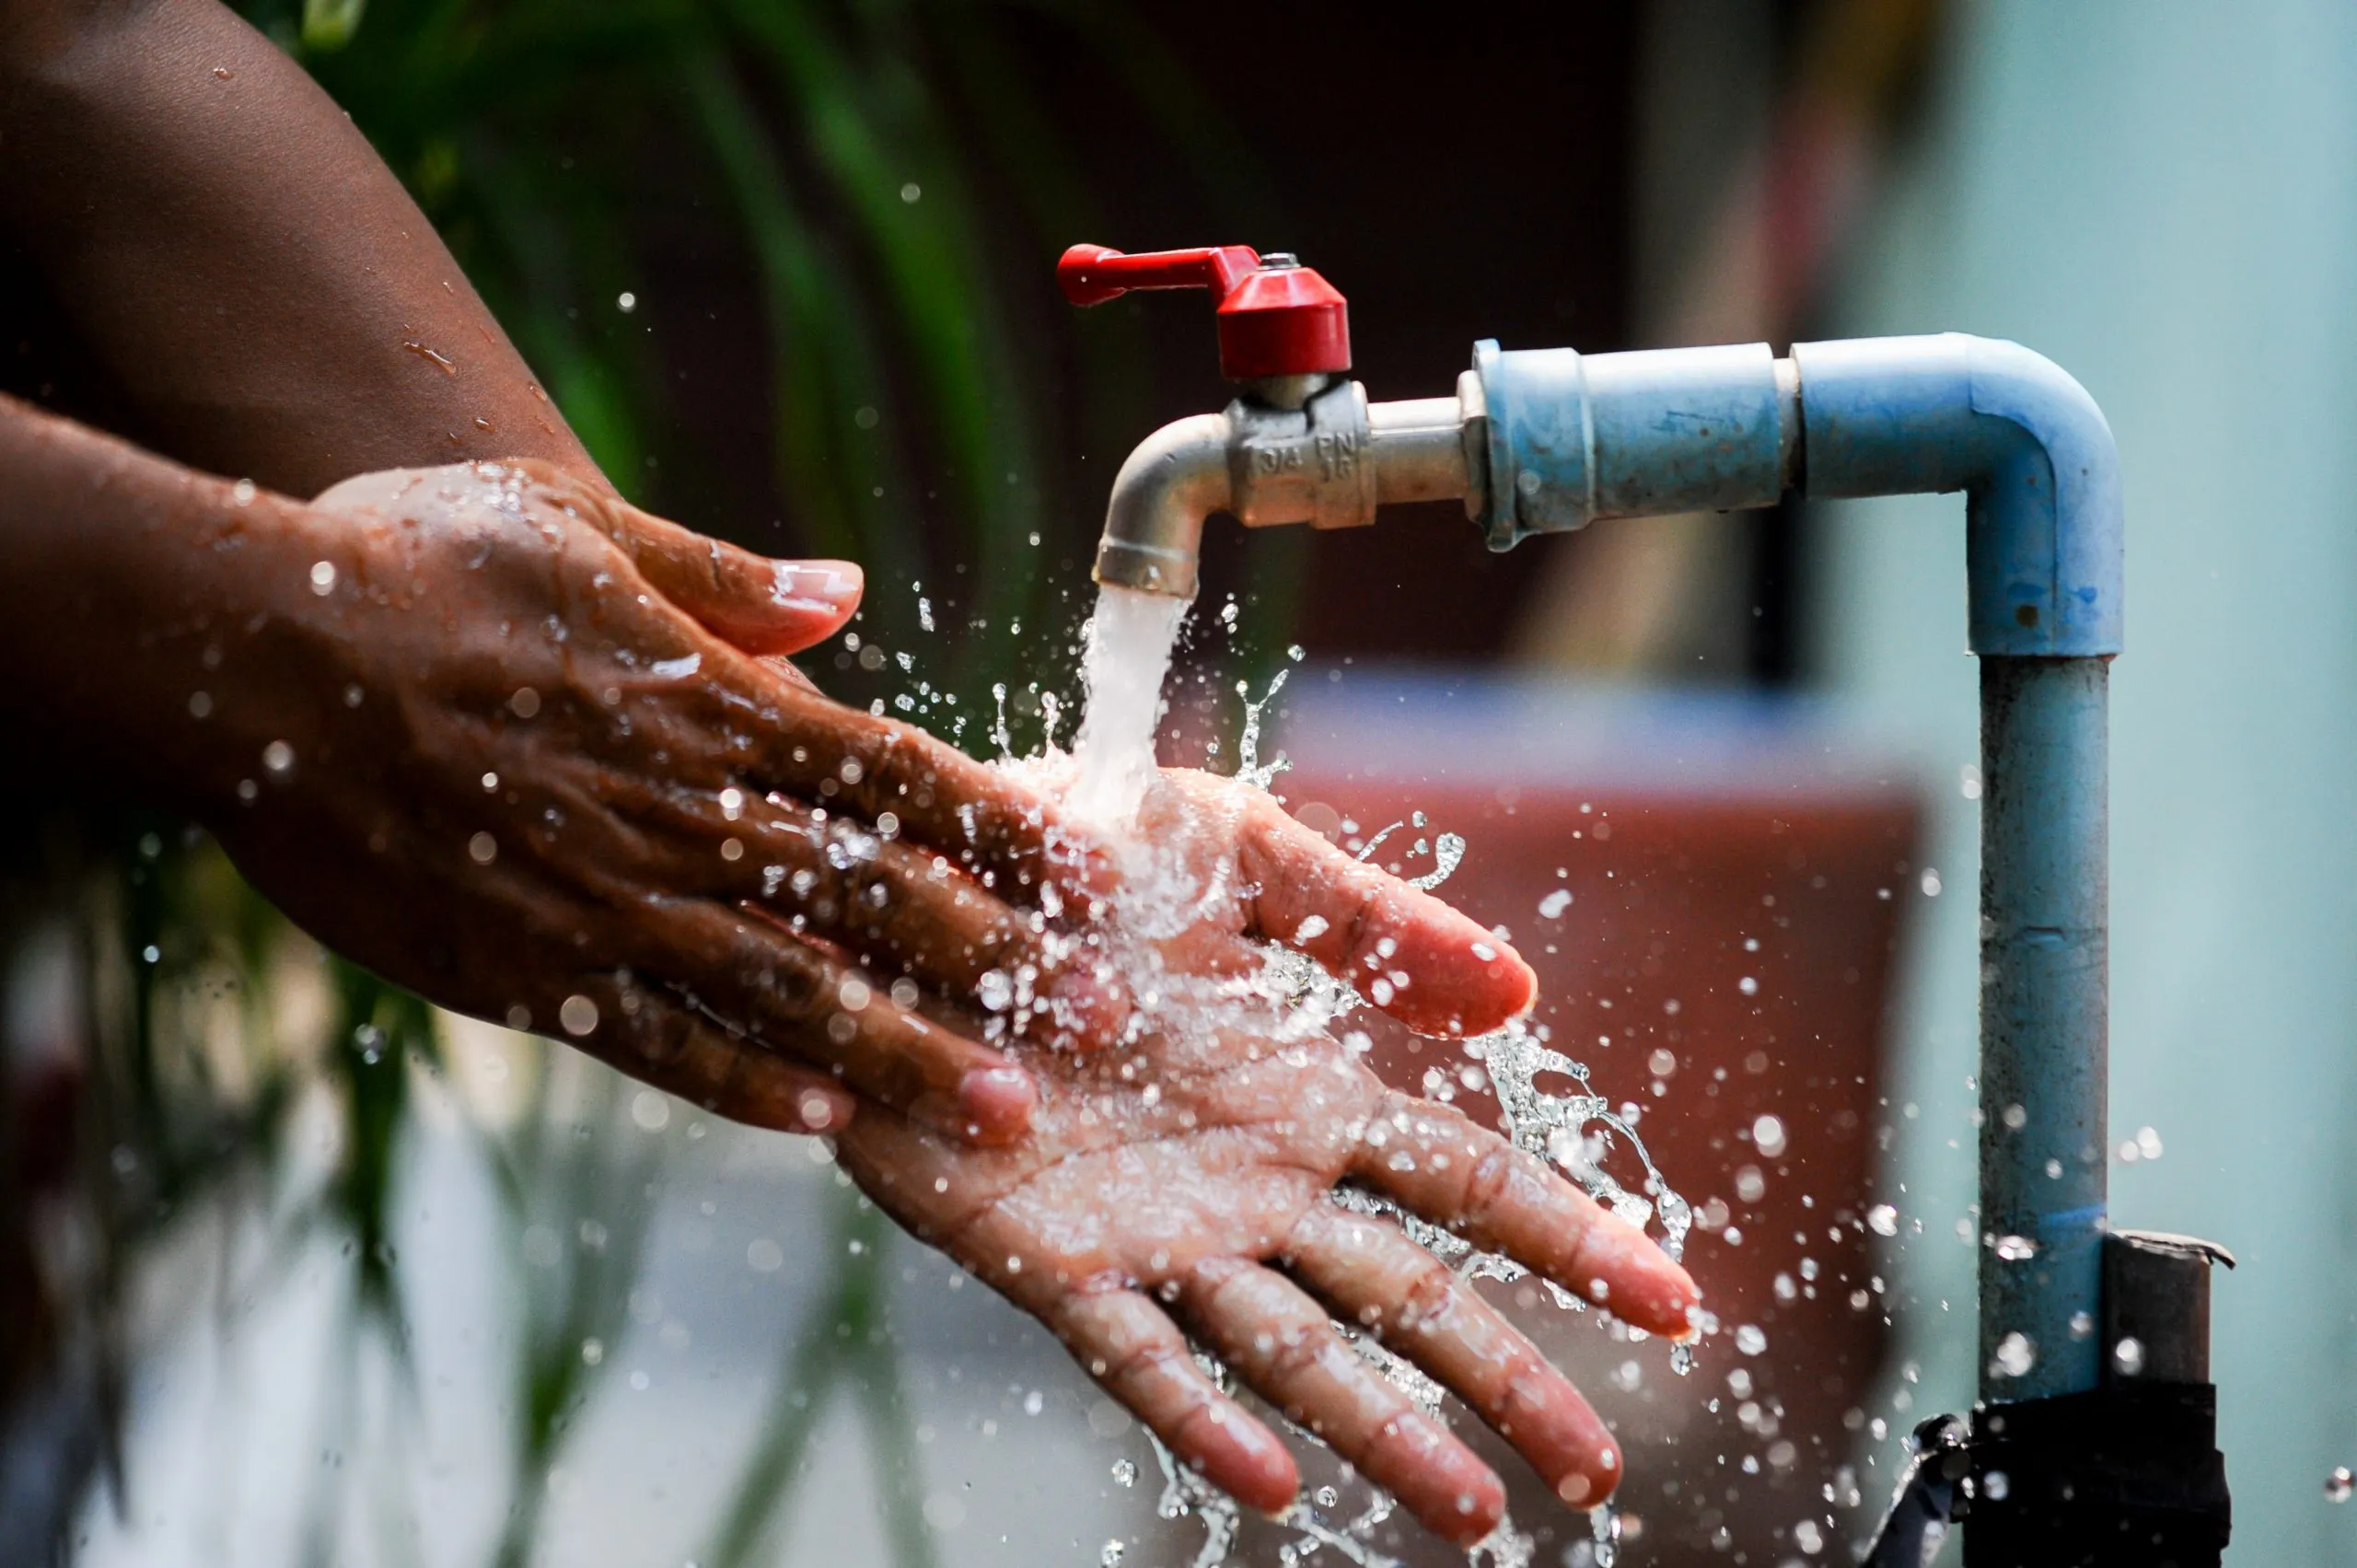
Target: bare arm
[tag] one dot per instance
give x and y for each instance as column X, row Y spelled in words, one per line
column 249, row 269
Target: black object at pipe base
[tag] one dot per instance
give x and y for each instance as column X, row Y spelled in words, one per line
column 2129, row 1474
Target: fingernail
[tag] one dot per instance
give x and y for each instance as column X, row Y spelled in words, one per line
column 817, row 584
column 996, row 1102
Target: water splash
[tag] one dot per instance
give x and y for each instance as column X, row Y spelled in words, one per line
column 1127, row 656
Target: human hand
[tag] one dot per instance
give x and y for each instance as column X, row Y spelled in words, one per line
column 526, row 750
column 1189, row 1178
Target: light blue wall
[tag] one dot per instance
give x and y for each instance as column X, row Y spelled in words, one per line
column 2163, row 197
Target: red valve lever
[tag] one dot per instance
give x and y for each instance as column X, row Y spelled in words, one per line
column 1091, row 274
column 1276, row 317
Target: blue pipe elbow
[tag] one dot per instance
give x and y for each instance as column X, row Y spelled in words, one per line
column 2032, row 452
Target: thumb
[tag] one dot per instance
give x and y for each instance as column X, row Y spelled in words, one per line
column 758, row 605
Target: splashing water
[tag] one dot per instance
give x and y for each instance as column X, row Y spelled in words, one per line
column 1126, row 652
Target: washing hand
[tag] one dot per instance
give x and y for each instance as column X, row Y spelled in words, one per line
column 584, row 779
column 1184, row 1184
column 507, row 741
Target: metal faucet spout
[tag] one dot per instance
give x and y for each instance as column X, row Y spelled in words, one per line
column 1328, row 461
column 1154, row 525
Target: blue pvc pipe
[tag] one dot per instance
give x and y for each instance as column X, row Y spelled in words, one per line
column 1571, row 437
column 1900, row 416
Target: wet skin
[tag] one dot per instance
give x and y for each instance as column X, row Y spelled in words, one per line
column 1182, row 1185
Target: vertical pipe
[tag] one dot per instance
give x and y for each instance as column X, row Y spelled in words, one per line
column 2044, row 959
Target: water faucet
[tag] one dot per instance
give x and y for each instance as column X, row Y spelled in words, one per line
column 1300, row 444
column 2107, row 1458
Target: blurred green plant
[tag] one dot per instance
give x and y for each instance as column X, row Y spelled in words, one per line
column 845, row 146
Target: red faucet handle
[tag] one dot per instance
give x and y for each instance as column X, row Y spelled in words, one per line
column 1276, row 317
column 1091, row 274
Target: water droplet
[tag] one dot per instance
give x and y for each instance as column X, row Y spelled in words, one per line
column 525, row 702
column 243, row 493
column 592, row 1352
column 1555, row 903
column 1750, row 1339
column 626, row 302
column 650, row 1110
column 579, row 1014
column 2015, row 1248
column 2129, row 1355
column 1109, row 1554
column 1768, row 1136
column 2340, row 1484
column 764, row 1256
column 911, row 193
column 1125, row 1472
column 482, row 849
column 995, row 991
column 2016, row 1354
column 200, row 704
column 1883, row 1219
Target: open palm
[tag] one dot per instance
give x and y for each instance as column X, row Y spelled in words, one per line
column 1186, row 1183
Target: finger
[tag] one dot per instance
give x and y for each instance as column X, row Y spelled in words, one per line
column 986, row 822
column 907, row 907
column 1428, row 966
column 1138, row 1356
column 670, row 1049
column 1419, row 1308
column 761, row 980
column 756, row 605
column 1280, row 1342
column 1434, row 1161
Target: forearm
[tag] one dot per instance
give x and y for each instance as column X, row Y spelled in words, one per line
column 252, row 274
column 139, row 604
